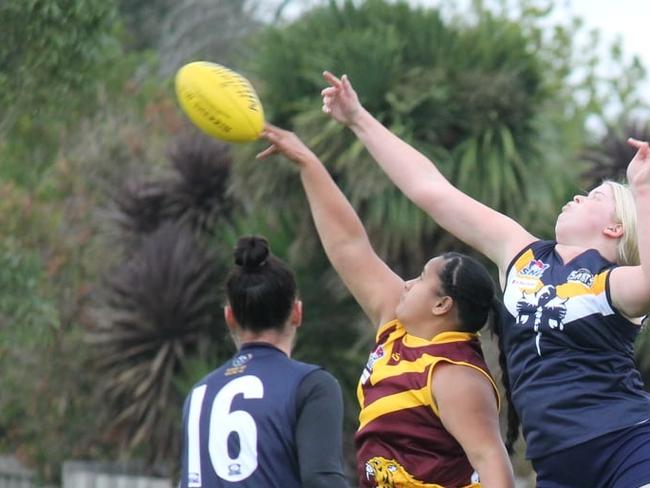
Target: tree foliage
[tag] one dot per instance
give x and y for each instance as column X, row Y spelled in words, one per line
column 607, row 157
column 159, row 309
column 471, row 95
column 50, row 49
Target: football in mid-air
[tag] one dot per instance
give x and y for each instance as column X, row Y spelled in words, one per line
column 220, row 101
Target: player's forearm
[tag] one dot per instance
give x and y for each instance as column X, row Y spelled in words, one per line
column 412, row 172
column 497, row 477
column 336, row 221
column 494, row 468
column 642, row 202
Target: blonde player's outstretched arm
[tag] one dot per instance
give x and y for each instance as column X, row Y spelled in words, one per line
column 630, row 285
column 373, row 284
column 493, row 234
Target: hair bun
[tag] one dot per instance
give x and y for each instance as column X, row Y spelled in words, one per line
column 251, row 252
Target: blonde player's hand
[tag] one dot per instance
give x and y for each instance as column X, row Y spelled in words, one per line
column 340, row 101
column 638, row 171
column 286, row 143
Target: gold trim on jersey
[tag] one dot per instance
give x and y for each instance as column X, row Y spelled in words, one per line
column 410, row 398
column 573, row 289
column 405, row 366
column 393, row 403
column 434, row 404
column 523, row 260
column 414, row 341
column 565, row 290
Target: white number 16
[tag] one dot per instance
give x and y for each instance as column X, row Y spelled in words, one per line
column 222, row 423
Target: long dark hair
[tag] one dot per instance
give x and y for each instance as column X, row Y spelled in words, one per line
column 260, row 287
column 468, row 282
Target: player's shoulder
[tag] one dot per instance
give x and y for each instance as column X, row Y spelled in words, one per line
column 319, row 383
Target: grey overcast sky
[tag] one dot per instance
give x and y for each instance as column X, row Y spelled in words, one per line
column 629, row 19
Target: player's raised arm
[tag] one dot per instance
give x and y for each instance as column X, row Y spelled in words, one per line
column 630, row 285
column 369, row 279
column 493, row 234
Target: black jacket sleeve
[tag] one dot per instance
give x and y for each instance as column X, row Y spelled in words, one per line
column 319, row 431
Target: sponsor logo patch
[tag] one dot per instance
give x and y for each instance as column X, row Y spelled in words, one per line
column 583, row 276
column 534, row 269
column 375, row 355
column 238, row 364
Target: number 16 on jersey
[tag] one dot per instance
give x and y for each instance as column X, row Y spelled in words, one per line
column 222, row 424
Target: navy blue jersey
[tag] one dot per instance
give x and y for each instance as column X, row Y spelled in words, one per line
column 570, row 354
column 239, row 422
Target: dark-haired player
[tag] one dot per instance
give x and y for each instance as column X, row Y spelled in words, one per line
column 263, row 419
column 429, row 407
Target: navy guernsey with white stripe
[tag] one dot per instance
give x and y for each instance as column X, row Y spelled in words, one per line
column 570, row 354
column 239, row 422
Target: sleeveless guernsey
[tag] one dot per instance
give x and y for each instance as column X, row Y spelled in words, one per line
column 401, row 440
column 570, row 354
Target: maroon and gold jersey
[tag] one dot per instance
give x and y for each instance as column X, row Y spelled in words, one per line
column 401, row 440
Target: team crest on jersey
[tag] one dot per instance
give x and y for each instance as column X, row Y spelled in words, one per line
column 241, row 360
column 581, row 275
column 374, row 356
column 238, row 364
column 528, row 277
column 534, row 269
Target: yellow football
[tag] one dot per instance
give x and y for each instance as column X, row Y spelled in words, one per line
column 219, row 101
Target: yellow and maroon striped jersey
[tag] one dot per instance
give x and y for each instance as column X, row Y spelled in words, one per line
column 401, row 440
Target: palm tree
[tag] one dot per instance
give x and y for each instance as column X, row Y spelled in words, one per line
column 471, row 96
column 158, row 309
column 607, row 158
column 160, row 305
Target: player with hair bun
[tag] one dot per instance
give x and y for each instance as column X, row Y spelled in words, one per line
column 263, row 419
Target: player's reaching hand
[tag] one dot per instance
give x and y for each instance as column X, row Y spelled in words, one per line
column 286, row 143
column 638, row 171
column 340, row 101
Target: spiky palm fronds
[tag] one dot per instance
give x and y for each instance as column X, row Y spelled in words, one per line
column 195, row 194
column 159, row 308
column 141, row 206
column 198, row 196
column 608, row 157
